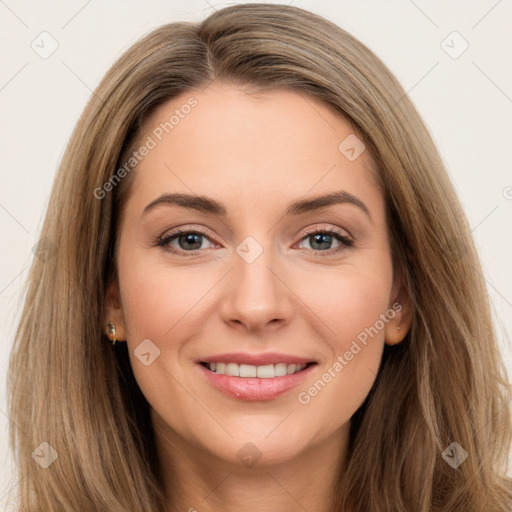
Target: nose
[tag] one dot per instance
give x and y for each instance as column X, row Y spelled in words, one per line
column 256, row 297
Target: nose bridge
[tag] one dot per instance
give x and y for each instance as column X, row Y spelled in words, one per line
column 255, row 295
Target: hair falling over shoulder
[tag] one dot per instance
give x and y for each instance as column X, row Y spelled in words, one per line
column 71, row 393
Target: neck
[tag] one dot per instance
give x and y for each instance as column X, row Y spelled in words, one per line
column 198, row 481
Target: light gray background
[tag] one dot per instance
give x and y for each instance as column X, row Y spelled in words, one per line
column 465, row 101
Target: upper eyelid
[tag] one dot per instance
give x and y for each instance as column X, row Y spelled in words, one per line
column 311, row 229
column 325, row 227
column 177, row 231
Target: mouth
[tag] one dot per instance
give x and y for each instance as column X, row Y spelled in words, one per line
column 267, row 371
column 269, row 375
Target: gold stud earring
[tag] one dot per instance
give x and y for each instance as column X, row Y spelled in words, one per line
column 111, row 331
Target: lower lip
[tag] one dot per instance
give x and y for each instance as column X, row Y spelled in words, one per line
column 253, row 388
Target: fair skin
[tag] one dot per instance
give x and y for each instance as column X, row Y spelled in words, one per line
column 255, row 154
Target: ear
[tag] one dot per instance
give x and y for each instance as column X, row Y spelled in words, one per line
column 114, row 310
column 400, row 302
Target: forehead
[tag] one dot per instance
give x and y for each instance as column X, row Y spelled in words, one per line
column 250, row 147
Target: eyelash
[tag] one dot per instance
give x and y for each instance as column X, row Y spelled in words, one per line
column 344, row 240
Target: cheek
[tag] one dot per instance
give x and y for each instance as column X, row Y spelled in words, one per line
column 339, row 308
column 156, row 299
column 353, row 306
column 357, row 310
column 158, row 305
column 349, row 300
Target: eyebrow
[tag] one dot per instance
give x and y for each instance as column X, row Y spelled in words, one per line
column 208, row 205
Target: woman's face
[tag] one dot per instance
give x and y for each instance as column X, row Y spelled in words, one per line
column 250, row 282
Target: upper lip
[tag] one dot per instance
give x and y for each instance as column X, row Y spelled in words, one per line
column 256, row 359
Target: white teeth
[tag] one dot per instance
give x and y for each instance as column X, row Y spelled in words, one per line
column 280, row 370
column 233, row 369
column 247, row 370
column 267, row 371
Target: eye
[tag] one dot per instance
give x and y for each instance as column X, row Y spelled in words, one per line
column 183, row 241
column 190, row 242
column 320, row 240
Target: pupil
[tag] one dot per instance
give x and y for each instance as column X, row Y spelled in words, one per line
column 322, row 239
column 318, row 238
column 189, row 238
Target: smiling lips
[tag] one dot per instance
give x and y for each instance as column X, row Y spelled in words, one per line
column 255, row 377
column 267, row 371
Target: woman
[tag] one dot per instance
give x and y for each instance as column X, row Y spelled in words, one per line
column 326, row 341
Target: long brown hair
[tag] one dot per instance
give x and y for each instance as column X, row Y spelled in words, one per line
column 444, row 384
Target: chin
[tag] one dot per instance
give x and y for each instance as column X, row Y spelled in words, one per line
column 252, row 451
